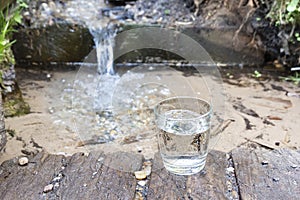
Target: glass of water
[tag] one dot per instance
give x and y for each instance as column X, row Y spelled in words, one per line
column 183, row 126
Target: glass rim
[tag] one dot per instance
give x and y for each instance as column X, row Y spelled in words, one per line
column 184, row 97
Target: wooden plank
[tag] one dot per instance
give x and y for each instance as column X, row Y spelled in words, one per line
column 87, row 177
column 27, row 182
column 215, row 182
column 260, row 173
column 77, row 177
column 264, row 174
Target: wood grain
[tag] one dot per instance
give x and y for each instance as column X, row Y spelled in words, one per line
column 248, row 173
column 212, row 183
column 264, row 174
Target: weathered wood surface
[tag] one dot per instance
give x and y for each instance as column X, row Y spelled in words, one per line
column 215, row 182
column 263, row 174
column 245, row 174
column 76, row 177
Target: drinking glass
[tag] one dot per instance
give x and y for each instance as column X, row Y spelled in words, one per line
column 183, row 125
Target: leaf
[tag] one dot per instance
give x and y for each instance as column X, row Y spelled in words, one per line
column 22, row 4
column 292, row 6
column 18, row 18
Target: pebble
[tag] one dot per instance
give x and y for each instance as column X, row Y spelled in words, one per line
column 113, row 133
column 295, row 182
column 140, row 175
column 264, row 162
column 235, row 194
column 23, row 161
column 142, row 183
column 48, row 188
column 229, row 186
column 57, row 179
column 94, row 174
column 139, row 195
column 147, row 170
column 51, row 110
column 294, row 166
column 56, row 185
column 227, row 156
column 275, row 179
column 230, row 170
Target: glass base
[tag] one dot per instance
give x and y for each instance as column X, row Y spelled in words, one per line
column 184, row 165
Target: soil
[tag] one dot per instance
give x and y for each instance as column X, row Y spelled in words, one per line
column 261, row 110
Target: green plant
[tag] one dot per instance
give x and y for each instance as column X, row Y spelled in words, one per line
column 256, row 74
column 294, row 78
column 285, row 13
column 9, row 17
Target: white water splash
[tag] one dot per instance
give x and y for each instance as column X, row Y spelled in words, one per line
column 89, row 14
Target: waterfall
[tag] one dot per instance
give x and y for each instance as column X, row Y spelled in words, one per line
column 103, row 32
column 104, row 43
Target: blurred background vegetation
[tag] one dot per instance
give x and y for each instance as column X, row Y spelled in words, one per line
column 10, row 17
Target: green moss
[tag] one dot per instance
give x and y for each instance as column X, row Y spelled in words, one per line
column 14, row 104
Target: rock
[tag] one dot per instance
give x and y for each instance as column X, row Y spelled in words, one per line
column 275, row 179
column 14, row 104
column 48, row 188
column 2, row 139
column 23, row 161
column 230, row 170
column 140, row 175
column 61, row 42
column 51, row 110
column 147, row 168
column 142, row 183
column 294, row 166
column 2, row 126
column 264, row 162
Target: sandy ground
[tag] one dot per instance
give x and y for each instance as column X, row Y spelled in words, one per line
column 256, row 111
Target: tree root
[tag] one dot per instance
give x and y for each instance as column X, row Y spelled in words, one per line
column 245, row 19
